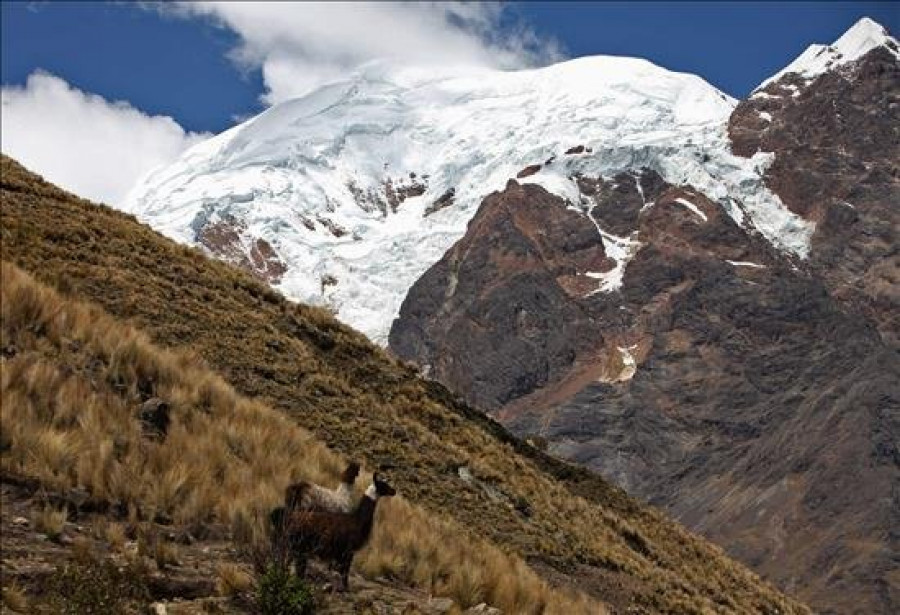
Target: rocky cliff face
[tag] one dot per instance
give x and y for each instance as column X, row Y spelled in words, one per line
column 836, row 141
column 524, row 330
column 645, row 328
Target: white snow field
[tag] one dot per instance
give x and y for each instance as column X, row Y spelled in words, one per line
column 323, row 160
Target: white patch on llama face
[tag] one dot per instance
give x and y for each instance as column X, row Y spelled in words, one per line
column 372, row 492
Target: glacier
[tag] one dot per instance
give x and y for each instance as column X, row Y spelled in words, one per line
column 318, row 177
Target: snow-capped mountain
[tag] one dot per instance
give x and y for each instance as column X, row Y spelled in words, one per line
column 754, row 395
column 694, row 296
column 346, row 196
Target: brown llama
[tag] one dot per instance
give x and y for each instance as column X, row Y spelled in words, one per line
column 331, row 536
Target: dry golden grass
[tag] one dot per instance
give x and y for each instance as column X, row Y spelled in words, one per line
column 70, row 413
column 14, row 599
column 320, row 375
column 233, row 580
column 50, row 521
column 111, row 533
column 70, row 396
column 419, row 550
column 151, row 544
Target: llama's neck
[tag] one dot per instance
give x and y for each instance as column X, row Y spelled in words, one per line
column 365, row 511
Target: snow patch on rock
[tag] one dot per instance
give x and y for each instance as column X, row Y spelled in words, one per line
column 692, row 207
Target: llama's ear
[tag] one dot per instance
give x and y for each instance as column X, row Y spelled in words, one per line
column 350, row 472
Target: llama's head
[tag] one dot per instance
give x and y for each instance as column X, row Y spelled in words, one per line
column 350, row 473
column 379, row 488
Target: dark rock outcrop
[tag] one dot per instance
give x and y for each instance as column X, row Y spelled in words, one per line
column 445, row 200
column 525, row 331
column 225, row 239
column 155, row 418
column 528, row 171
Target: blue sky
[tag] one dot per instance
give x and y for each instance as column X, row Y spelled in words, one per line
column 128, row 86
column 180, row 67
column 733, row 45
column 162, row 65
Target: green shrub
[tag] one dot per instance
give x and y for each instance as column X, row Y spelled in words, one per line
column 282, row 593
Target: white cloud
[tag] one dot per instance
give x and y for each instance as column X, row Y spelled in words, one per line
column 82, row 142
column 302, row 45
column 99, row 149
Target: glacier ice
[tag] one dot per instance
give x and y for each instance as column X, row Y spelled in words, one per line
column 307, row 166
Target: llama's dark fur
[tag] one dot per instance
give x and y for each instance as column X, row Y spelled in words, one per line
column 335, row 537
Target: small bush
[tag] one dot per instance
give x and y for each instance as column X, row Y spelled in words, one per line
column 281, row 593
column 96, row 587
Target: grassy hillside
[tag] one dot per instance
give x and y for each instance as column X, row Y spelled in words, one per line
column 70, row 383
column 465, row 481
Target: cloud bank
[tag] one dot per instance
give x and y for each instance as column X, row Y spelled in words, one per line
column 99, row 149
column 82, row 142
column 299, row 46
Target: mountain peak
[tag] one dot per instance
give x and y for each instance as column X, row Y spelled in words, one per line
column 863, row 36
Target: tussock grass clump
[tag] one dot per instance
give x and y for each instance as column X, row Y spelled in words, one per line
column 233, row 580
column 71, row 396
column 14, row 598
column 111, row 533
column 151, row 544
column 50, row 521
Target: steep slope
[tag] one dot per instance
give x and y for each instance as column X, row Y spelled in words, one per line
column 570, row 526
column 752, row 394
column 79, row 390
column 346, row 196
